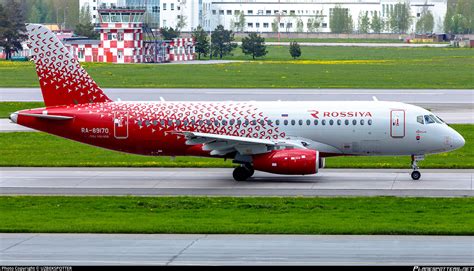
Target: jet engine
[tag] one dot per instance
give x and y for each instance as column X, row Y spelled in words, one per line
column 290, row 162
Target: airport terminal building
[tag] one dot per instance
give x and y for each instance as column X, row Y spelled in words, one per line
column 265, row 15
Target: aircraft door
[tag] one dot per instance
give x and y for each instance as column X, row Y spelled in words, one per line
column 121, row 125
column 397, row 123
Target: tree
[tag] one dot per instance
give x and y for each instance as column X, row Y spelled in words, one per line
column 299, row 25
column 12, row 27
column 222, row 41
column 400, row 18
column 85, row 26
column 314, row 24
column 202, row 42
column 295, row 50
column 340, row 20
column 254, row 45
column 364, row 22
column 459, row 17
column 238, row 22
column 426, row 22
column 275, row 25
column 448, row 19
column 181, row 23
column 169, row 33
column 376, row 23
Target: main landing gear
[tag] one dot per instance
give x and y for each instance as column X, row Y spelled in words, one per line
column 243, row 172
column 415, row 175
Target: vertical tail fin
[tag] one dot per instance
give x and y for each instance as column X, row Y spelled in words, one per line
column 62, row 79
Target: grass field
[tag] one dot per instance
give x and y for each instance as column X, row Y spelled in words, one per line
column 359, row 215
column 28, row 149
column 6, row 108
column 333, row 40
column 319, row 67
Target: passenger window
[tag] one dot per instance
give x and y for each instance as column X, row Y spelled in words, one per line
column 315, row 122
column 339, row 122
column 170, row 122
column 293, row 122
column 428, row 120
column 331, row 122
column 323, row 122
column 419, row 119
column 262, row 122
column 277, row 122
column 253, row 122
column 269, row 122
column 369, row 122
column 354, row 122
column 300, row 122
column 285, row 122
column 239, row 122
column 231, row 122
column 224, row 122
column 155, row 122
column 308, row 122
column 216, row 123
column 346, row 122
column 178, row 122
column 361, row 122
column 193, row 122
column 246, row 122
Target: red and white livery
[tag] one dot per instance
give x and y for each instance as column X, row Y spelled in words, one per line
column 276, row 137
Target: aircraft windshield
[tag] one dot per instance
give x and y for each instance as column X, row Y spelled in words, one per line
column 430, row 119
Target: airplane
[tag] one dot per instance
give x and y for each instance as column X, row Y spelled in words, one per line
column 292, row 138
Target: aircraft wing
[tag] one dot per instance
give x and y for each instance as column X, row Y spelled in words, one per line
column 223, row 144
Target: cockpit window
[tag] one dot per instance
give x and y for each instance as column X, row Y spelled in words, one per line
column 419, row 119
column 440, row 119
column 429, row 120
column 435, row 118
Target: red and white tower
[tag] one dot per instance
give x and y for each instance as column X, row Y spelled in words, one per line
column 121, row 35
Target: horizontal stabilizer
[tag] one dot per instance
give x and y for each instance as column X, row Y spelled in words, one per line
column 50, row 117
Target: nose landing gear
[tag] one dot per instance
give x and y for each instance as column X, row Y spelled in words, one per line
column 415, row 175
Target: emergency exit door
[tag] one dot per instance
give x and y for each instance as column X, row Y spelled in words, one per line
column 120, row 125
column 397, row 122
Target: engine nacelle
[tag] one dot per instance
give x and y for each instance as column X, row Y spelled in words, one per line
column 290, row 162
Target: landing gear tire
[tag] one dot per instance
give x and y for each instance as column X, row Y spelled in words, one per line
column 415, row 175
column 250, row 169
column 241, row 174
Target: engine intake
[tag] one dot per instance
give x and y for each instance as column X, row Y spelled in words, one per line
column 290, row 162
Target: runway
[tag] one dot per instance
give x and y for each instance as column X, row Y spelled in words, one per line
column 415, row 96
column 156, row 249
column 219, row 182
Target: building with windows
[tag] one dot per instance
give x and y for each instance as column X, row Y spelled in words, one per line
column 300, row 15
column 266, row 15
column 123, row 40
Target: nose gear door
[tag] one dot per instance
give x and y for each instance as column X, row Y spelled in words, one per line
column 120, row 125
column 397, row 123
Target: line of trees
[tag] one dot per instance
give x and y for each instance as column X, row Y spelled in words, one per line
column 459, row 17
column 60, row 12
column 12, row 27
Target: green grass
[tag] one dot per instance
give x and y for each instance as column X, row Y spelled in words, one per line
column 333, row 40
column 39, row 149
column 319, row 67
column 6, row 108
column 359, row 215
